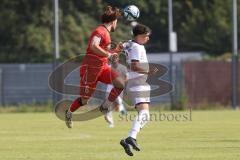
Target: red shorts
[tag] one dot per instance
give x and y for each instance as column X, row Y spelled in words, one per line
column 91, row 75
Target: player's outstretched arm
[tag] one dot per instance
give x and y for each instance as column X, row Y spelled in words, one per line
column 118, row 49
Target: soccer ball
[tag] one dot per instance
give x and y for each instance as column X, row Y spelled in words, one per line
column 131, row 12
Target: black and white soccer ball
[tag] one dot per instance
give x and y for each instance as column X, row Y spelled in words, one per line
column 131, row 12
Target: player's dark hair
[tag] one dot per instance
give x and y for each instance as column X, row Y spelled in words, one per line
column 141, row 29
column 110, row 14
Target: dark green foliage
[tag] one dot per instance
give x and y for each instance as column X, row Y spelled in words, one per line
column 26, row 26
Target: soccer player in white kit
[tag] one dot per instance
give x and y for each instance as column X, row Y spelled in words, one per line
column 137, row 88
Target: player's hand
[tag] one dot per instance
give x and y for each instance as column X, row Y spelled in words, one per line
column 119, row 47
column 114, row 57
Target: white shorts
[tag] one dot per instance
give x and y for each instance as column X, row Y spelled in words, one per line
column 138, row 90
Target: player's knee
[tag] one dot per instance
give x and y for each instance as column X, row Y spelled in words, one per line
column 119, row 83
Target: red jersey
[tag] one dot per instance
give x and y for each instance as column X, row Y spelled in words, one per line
column 91, row 57
column 95, row 67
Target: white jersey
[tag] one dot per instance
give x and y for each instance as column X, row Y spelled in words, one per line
column 137, row 88
column 135, row 51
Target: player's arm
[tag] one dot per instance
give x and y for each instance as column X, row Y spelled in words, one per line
column 95, row 47
column 118, row 48
column 136, row 66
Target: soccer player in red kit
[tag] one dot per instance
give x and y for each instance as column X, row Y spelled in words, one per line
column 95, row 67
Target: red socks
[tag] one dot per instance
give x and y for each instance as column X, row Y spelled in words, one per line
column 77, row 103
column 115, row 92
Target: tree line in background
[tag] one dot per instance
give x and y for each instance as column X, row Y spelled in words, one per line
column 26, row 27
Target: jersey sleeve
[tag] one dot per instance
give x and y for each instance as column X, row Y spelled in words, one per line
column 134, row 53
column 96, row 40
column 104, row 37
column 99, row 34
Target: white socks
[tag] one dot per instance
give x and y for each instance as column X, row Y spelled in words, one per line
column 109, row 118
column 120, row 102
column 141, row 119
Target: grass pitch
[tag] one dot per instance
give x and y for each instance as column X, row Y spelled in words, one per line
column 210, row 135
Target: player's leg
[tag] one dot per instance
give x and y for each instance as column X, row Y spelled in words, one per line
column 109, row 76
column 88, row 82
column 86, row 91
column 140, row 94
column 118, row 86
column 109, row 119
column 119, row 104
column 141, row 119
column 108, row 116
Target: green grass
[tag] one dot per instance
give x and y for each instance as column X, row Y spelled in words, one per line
column 24, row 108
column 211, row 135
